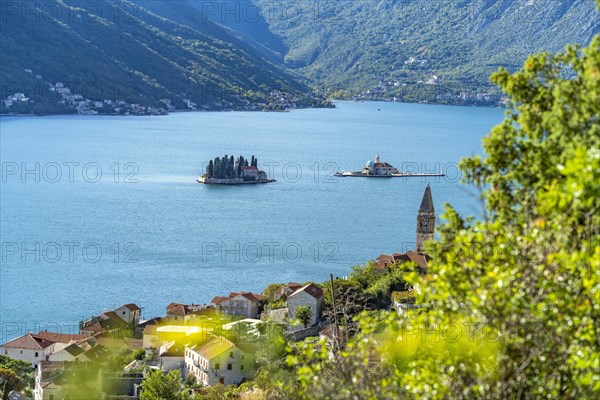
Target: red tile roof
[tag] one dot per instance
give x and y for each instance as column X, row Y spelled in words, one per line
column 29, row 342
column 59, row 337
column 218, row 299
column 252, row 296
column 132, row 307
column 248, row 295
column 312, row 290
column 250, row 168
column 176, row 309
column 385, row 260
column 186, row 309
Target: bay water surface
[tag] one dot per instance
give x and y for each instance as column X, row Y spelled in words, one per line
column 101, row 211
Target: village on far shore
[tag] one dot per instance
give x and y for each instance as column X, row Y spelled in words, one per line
column 220, row 343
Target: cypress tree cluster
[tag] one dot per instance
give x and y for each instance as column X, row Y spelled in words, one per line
column 228, row 168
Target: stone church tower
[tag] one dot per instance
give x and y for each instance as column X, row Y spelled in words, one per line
column 425, row 220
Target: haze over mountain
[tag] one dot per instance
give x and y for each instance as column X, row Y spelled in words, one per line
column 236, row 53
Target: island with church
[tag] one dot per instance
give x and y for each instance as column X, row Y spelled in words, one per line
column 380, row 169
column 230, row 171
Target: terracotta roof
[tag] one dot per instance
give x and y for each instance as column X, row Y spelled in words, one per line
column 92, row 326
column 176, row 309
column 218, row 299
column 312, row 290
column 59, row 337
column 252, row 296
column 29, row 342
column 248, row 295
column 214, row 347
column 290, row 287
column 107, row 321
column 382, row 164
column 111, row 315
column 132, row 307
column 385, row 260
column 186, row 309
column 249, row 168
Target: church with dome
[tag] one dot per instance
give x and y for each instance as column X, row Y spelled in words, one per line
column 379, row 168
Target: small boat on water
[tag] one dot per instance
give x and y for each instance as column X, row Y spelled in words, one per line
column 380, row 169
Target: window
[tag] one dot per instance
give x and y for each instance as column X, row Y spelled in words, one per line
column 231, row 354
column 229, row 367
column 36, row 354
column 123, row 312
column 222, row 381
column 51, row 397
column 20, row 351
column 242, row 357
column 242, row 367
column 217, row 366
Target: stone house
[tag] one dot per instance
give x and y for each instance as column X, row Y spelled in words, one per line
column 311, row 296
column 244, row 304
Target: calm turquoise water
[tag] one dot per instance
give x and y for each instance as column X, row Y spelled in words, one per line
column 72, row 246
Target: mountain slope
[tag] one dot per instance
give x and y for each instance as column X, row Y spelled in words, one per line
column 122, row 50
column 452, row 45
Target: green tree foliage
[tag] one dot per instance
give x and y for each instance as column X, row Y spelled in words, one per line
column 510, row 307
column 228, row 167
column 159, row 386
column 304, row 314
column 9, row 381
column 269, row 292
column 22, row 370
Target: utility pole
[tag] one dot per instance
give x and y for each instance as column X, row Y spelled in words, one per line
column 335, row 321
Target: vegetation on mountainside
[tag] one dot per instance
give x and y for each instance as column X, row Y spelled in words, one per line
column 388, row 47
column 234, row 55
column 120, row 50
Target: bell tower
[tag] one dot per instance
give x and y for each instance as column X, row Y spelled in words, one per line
column 425, row 220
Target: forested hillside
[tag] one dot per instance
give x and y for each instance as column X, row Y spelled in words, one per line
column 449, row 46
column 264, row 54
column 123, row 51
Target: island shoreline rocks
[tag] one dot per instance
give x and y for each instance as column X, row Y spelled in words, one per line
column 236, row 181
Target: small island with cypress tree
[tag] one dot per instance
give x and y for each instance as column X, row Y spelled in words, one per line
column 229, row 171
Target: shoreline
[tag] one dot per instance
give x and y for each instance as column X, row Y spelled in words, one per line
column 335, row 102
